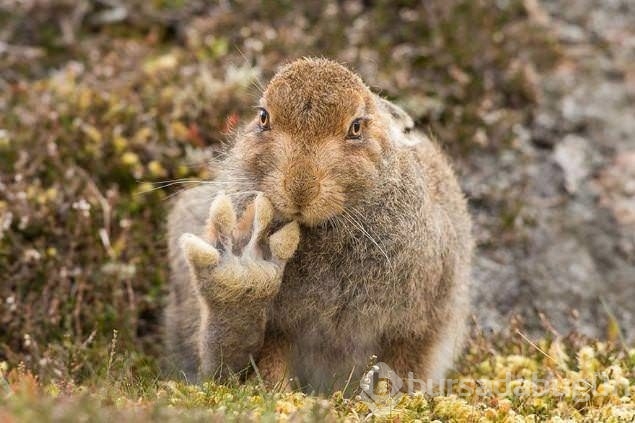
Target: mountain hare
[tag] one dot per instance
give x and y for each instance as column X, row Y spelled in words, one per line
column 334, row 232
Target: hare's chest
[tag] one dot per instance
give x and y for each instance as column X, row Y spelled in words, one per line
column 332, row 298
column 336, row 285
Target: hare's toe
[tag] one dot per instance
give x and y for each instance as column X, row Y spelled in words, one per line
column 198, row 253
column 221, row 220
column 284, row 242
column 262, row 217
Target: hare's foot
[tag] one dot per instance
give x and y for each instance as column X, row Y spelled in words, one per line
column 272, row 364
column 233, row 261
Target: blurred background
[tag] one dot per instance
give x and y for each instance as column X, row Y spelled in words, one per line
column 103, row 101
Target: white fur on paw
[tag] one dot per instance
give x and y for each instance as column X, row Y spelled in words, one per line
column 198, row 252
column 222, row 217
column 263, row 213
column 284, row 242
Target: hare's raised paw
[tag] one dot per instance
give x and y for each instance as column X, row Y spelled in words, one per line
column 233, row 260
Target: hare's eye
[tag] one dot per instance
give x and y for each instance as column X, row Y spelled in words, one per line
column 263, row 119
column 355, row 130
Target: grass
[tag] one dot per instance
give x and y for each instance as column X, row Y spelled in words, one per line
column 96, row 114
column 512, row 379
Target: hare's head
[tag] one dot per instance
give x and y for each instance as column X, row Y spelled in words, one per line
column 317, row 142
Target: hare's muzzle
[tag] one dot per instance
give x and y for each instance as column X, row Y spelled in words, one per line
column 301, row 185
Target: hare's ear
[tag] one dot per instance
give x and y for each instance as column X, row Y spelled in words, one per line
column 400, row 124
column 398, row 115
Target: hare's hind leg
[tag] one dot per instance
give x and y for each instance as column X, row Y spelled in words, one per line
column 273, row 363
column 421, row 362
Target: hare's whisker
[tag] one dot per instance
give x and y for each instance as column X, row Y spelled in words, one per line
column 359, row 226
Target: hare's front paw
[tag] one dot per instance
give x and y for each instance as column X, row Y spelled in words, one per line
column 233, row 262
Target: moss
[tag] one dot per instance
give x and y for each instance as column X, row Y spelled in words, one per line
column 129, row 388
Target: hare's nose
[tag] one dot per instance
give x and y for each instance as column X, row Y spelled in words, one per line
column 302, row 186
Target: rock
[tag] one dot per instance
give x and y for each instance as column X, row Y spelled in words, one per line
column 616, row 186
column 572, row 155
column 566, row 254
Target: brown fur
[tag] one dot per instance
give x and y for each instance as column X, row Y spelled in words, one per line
column 382, row 265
